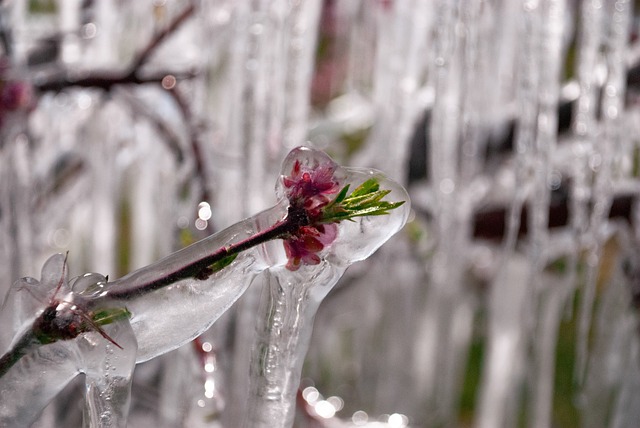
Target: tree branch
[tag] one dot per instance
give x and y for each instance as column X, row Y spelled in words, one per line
column 106, row 80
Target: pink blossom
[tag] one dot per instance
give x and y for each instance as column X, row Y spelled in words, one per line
column 302, row 248
column 15, row 95
column 310, row 189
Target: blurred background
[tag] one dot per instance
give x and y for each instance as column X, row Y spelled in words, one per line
column 131, row 129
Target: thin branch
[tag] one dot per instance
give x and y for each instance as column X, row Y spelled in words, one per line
column 23, row 346
column 170, row 137
column 6, row 40
column 200, row 268
column 153, row 44
column 106, row 80
column 194, row 137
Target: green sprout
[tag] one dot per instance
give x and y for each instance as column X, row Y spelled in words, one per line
column 365, row 200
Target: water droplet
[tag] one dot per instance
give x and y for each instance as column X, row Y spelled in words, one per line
column 360, row 418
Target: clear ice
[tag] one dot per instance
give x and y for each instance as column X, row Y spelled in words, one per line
column 166, row 318
column 498, row 116
column 44, row 371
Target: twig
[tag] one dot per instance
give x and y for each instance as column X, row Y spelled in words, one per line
column 107, row 80
column 171, row 138
column 6, row 39
column 153, row 44
column 295, row 219
column 23, row 346
column 194, row 137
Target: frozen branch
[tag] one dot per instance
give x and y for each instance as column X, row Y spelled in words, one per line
column 106, row 80
column 323, row 226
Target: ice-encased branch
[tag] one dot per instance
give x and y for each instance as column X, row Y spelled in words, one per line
column 172, row 301
column 292, row 296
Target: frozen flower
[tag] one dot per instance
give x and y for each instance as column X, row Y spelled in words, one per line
column 311, row 188
column 315, row 195
column 304, row 246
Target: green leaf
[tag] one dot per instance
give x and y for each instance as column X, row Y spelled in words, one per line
column 371, row 185
column 341, row 195
column 365, row 200
column 339, row 198
column 222, row 263
column 110, row 315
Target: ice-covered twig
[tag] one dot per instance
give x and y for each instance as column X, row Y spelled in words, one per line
column 108, row 79
column 153, row 44
column 295, row 291
column 33, row 373
column 170, row 302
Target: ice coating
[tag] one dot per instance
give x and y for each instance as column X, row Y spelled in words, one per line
column 289, row 303
column 291, row 300
column 358, row 239
column 175, row 299
column 45, row 370
column 168, row 318
column 171, row 316
column 287, row 309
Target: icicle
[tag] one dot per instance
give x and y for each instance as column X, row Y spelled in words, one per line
column 20, row 245
column 539, row 313
column 550, row 59
column 527, row 98
column 506, row 337
column 272, row 57
column 149, row 187
column 301, row 34
column 105, row 183
column 610, row 389
column 271, row 63
column 537, row 92
column 602, row 162
column 554, row 297
column 109, row 372
column 445, row 322
column 445, row 279
column 398, row 74
column 287, row 309
column 584, row 123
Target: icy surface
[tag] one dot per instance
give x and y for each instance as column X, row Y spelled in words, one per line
column 455, row 100
column 291, row 298
column 165, row 318
column 45, row 370
column 287, row 309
